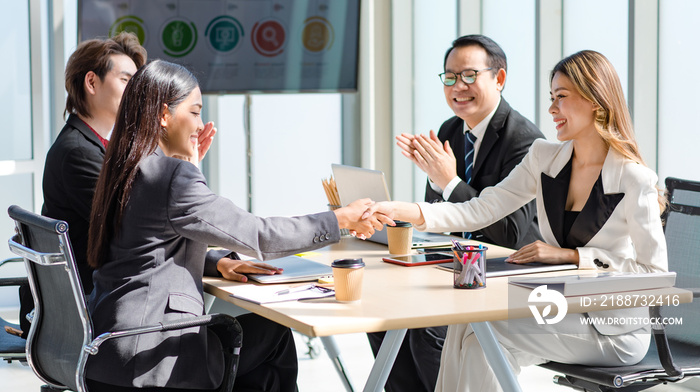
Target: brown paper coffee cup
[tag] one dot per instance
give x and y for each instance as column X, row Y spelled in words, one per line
column 400, row 238
column 347, row 278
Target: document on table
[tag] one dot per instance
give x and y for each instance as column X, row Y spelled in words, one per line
column 280, row 293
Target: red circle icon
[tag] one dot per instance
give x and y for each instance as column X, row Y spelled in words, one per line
column 268, row 37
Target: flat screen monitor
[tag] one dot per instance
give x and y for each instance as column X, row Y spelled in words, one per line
column 241, row 46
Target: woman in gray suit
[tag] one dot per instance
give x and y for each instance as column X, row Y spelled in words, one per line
column 152, row 219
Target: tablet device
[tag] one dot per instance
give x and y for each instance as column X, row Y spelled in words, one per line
column 419, row 259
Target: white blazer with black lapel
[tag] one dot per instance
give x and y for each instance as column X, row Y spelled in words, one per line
column 619, row 228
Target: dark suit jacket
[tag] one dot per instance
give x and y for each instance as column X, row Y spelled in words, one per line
column 506, row 141
column 73, row 164
column 154, row 273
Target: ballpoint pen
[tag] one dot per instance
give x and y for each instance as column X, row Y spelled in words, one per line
column 295, row 289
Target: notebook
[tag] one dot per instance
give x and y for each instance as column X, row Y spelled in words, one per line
column 499, row 267
column 296, row 269
column 356, row 183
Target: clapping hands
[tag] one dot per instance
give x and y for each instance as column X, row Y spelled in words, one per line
column 432, row 156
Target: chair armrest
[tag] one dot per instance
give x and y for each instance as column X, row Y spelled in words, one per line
column 18, row 281
column 15, row 280
column 225, row 327
column 11, row 260
column 208, row 319
column 662, row 346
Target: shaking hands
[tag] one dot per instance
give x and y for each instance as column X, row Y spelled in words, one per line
column 361, row 224
column 364, row 216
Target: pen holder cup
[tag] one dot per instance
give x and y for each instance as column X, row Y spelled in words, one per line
column 469, row 268
column 343, row 232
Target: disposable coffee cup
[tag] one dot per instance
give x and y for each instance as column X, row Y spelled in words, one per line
column 347, row 278
column 469, row 268
column 400, row 238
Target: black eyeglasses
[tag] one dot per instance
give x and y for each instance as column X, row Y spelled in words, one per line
column 468, row 76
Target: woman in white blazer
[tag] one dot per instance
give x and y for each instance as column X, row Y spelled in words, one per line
column 152, row 219
column 598, row 207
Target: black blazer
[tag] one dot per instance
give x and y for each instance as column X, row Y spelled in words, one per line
column 506, row 141
column 73, row 164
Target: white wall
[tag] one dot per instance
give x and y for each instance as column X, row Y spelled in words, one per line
column 600, row 25
column 679, row 82
column 295, row 138
column 512, row 25
column 430, row 42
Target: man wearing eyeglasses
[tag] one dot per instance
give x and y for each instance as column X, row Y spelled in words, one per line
column 475, row 149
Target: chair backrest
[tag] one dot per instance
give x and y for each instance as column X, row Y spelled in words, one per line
column 61, row 324
column 682, row 231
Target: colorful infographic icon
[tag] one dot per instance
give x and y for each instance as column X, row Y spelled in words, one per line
column 317, row 34
column 224, row 34
column 268, row 37
column 131, row 24
column 178, row 37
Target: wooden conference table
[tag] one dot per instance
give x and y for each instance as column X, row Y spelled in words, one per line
column 395, row 298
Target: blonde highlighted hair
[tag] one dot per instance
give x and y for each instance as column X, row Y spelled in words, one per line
column 596, row 80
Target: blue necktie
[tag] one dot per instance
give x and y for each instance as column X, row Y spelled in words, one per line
column 469, row 139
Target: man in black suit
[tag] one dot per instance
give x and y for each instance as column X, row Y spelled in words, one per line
column 96, row 75
column 475, row 149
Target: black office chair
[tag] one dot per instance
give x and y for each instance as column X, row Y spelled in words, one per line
column 60, row 339
column 11, row 346
column 676, row 354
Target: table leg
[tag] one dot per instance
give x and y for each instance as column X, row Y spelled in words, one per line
column 385, row 360
column 334, row 354
column 208, row 302
column 495, row 357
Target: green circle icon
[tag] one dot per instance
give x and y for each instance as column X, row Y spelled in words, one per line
column 131, row 24
column 224, row 33
column 178, row 37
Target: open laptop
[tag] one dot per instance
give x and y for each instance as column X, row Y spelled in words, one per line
column 296, row 269
column 356, row 183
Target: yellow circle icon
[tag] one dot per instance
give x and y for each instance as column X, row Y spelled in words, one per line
column 317, row 35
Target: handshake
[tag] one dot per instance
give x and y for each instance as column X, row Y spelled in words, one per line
column 363, row 217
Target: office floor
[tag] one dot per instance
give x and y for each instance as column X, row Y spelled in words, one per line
column 318, row 374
